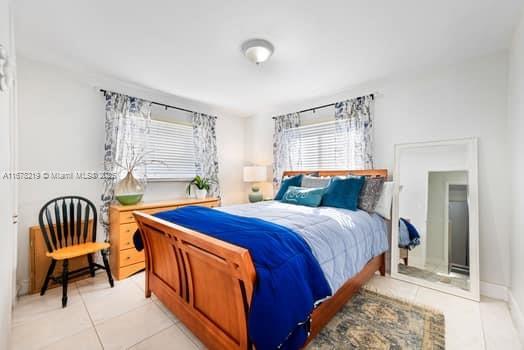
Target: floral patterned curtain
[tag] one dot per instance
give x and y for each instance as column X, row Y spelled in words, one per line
column 286, row 154
column 354, row 133
column 127, row 128
column 206, row 155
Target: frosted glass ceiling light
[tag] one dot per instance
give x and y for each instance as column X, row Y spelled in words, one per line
column 257, row 50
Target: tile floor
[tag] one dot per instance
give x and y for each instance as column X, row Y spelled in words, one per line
column 98, row 317
column 438, row 274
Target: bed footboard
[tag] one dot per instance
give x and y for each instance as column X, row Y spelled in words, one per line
column 207, row 283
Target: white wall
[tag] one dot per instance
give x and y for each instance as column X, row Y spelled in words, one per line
column 62, row 129
column 516, row 132
column 463, row 100
column 7, row 187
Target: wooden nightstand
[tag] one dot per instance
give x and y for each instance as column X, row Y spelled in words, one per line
column 125, row 260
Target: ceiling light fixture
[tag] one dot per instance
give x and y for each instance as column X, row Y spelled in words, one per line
column 257, row 50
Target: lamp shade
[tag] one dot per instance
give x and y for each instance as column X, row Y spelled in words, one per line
column 255, row 173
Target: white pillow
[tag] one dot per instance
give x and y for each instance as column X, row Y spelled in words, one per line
column 315, row 181
column 383, row 207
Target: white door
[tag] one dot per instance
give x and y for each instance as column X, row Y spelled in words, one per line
column 7, row 185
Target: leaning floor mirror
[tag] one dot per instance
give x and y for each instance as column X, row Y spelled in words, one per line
column 435, row 209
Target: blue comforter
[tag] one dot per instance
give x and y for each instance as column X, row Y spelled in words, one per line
column 289, row 278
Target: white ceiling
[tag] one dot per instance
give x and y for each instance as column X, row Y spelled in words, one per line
column 192, row 48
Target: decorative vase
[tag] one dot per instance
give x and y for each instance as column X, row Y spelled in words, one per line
column 201, row 193
column 129, row 190
column 255, row 195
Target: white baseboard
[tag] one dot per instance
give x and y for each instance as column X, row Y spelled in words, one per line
column 494, row 291
column 517, row 316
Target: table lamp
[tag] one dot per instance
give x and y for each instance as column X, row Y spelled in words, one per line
column 255, row 174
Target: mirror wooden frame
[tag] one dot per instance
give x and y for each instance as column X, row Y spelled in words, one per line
column 472, row 169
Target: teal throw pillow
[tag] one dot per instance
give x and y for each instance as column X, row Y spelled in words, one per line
column 310, row 197
column 343, row 192
column 290, row 181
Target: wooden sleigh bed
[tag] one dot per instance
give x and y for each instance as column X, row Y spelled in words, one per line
column 208, row 283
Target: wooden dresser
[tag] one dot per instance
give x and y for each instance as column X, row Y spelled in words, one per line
column 125, row 260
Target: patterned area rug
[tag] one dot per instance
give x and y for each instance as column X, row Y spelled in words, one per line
column 375, row 321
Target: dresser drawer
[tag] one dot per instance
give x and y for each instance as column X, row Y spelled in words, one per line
column 126, row 271
column 124, row 258
column 126, row 217
column 131, row 256
column 126, row 235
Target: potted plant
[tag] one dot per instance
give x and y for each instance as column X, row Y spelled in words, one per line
column 202, row 185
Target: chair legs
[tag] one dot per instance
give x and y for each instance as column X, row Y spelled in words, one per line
column 107, row 268
column 91, row 265
column 65, row 276
column 48, row 276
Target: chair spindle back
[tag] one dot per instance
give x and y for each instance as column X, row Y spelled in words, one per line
column 64, row 221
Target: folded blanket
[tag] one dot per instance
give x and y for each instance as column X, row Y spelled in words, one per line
column 403, row 235
column 408, row 235
column 289, row 278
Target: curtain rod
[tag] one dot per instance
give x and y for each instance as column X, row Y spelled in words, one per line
column 328, row 105
column 164, row 105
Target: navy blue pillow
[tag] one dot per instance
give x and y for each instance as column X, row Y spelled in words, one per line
column 292, row 181
column 343, row 192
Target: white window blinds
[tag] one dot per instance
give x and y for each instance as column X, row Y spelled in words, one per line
column 172, row 150
column 318, row 147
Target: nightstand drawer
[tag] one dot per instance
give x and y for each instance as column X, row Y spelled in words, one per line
column 126, row 235
column 131, row 256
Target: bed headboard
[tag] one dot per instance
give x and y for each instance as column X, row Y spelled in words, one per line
column 369, row 173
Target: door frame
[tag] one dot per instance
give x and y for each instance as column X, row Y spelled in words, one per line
column 9, row 134
column 446, row 217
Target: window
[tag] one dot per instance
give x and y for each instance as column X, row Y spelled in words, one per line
column 318, row 147
column 173, row 151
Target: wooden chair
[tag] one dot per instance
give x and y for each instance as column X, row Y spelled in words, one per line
column 66, row 237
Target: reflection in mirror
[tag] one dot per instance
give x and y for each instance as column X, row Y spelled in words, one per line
column 434, row 215
column 446, row 241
